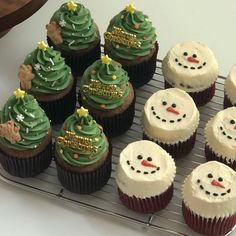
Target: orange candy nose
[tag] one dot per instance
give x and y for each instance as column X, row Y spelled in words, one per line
column 217, row 184
column 147, row 163
column 192, row 59
column 171, row 109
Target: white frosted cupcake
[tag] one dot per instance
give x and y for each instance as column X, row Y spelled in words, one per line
column 220, row 136
column 170, row 118
column 209, row 199
column 145, row 176
column 192, row 67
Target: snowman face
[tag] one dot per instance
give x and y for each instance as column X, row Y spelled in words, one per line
column 227, row 128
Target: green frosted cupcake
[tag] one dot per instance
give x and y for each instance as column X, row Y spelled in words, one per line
column 25, row 136
column 45, row 75
column 82, row 154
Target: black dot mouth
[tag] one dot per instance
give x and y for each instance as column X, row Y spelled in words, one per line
column 190, row 67
column 225, row 134
column 142, row 172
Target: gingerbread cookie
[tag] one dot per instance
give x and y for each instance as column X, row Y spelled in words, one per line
column 26, row 76
column 54, row 32
column 10, row 132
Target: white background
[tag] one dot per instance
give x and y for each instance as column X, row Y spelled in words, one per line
column 24, row 213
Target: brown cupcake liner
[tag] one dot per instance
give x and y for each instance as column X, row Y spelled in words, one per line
column 212, row 156
column 79, row 62
column 87, row 182
column 200, row 98
column 208, row 226
column 147, row 205
column 179, row 149
column 27, row 167
column 227, row 102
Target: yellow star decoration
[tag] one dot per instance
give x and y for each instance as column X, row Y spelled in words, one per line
column 42, row 45
column 130, row 8
column 106, row 60
column 72, row 6
column 82, row 112
column 19, row 93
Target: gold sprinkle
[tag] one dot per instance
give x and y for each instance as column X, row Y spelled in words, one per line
column 114, row 77
column 117, row 45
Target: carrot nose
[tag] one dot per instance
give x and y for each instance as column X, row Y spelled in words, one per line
column 217, row 184
column 148, row 164
column 192, row 59
column 171, row 109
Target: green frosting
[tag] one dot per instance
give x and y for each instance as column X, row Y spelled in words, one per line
column 52, row 75
column 82, row 127
column 145, row 34
column 30, row 117
column 109, row 92
column 78, row 29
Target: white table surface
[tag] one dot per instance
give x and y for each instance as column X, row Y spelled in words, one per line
column 24, row 213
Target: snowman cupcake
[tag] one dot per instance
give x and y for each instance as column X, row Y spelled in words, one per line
column 220, row 136
column 145, row 176
column 209, row 199
column 170, row 118
column 192, row 67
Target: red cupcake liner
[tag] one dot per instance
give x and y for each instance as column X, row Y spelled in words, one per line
column 200, row 98
column 227, row 102
column 27, row 167
column 178, row 149
column 208, row 226
column 147, row 205
column 212, row 156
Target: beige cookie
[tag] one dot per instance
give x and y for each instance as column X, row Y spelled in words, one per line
column 54, row 32
column 26, row 76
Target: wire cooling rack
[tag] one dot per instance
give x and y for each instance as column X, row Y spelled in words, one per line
column 169, row 221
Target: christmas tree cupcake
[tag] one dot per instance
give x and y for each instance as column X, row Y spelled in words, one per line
column 72, row 31
column 25, row 136
column 131, row 40
column 105, row 90
column 82, row 154
column 45, row 75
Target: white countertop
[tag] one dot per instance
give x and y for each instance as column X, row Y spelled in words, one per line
column 24, row 213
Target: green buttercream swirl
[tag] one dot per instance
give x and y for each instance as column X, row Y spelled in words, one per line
column 104, row 74
column 89, row 129
column 78, row 29
column 52, row 75
column 145, row 34
column 34, row 126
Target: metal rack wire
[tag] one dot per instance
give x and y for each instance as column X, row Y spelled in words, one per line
column 166, row 222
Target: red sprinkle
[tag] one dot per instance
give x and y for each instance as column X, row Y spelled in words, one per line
column 93, row 72
column 103, row 106
column 76, row 155
column 90, row 158
column 144, row 37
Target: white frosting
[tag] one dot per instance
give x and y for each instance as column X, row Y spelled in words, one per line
column 177, row 66
column 230, row 85
column 220, row 133
column 218, row 201
column 145, row 184
column 162, row 125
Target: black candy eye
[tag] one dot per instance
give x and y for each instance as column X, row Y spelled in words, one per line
column 140, row 157
column 173, row 105
column 210, row 176
column 220, row 179
column 164, row 103
column 194, row 55
column 232, row 122
column 185, row 54
column 149, row 159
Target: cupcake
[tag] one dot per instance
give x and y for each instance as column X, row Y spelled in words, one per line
column 230, row 88
column 170, row 118
column 45, row 75
column 82, row 154
column 25, row 136
column 105, row 90
column 209, row 199
column 74, row 33
column 145, row 176
column 192, row 67
column 131, row 40
column 220, row 137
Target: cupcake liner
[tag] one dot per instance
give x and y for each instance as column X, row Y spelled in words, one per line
column 208, row 226
column 88, row 182
column 227, row 102
column 200, row 98
column 79, row 62
column 212, row 156
column 147, row 205
column 176, row 150
column 27, row 167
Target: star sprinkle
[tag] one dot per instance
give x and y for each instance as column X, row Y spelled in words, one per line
column 20, row 117
column 62, row 23
column 37, row 66
column 19, row 93
column 42, row 45
column 72, row 6
column 106, row 60
column 82, row 112
column 130, row 8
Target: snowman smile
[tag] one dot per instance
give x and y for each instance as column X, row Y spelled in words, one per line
column 191, row 60
column 225, row 134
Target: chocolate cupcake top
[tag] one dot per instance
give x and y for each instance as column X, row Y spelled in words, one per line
column 24, row 124
column 210, row 190
column 72, row 27
column 220, row 133
column 230, row 85
column 130, row 34
column 105, row 85
column 145, row 170
column 44, row 71
column 81, row 141
column 170, row 116
column 190, row 66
